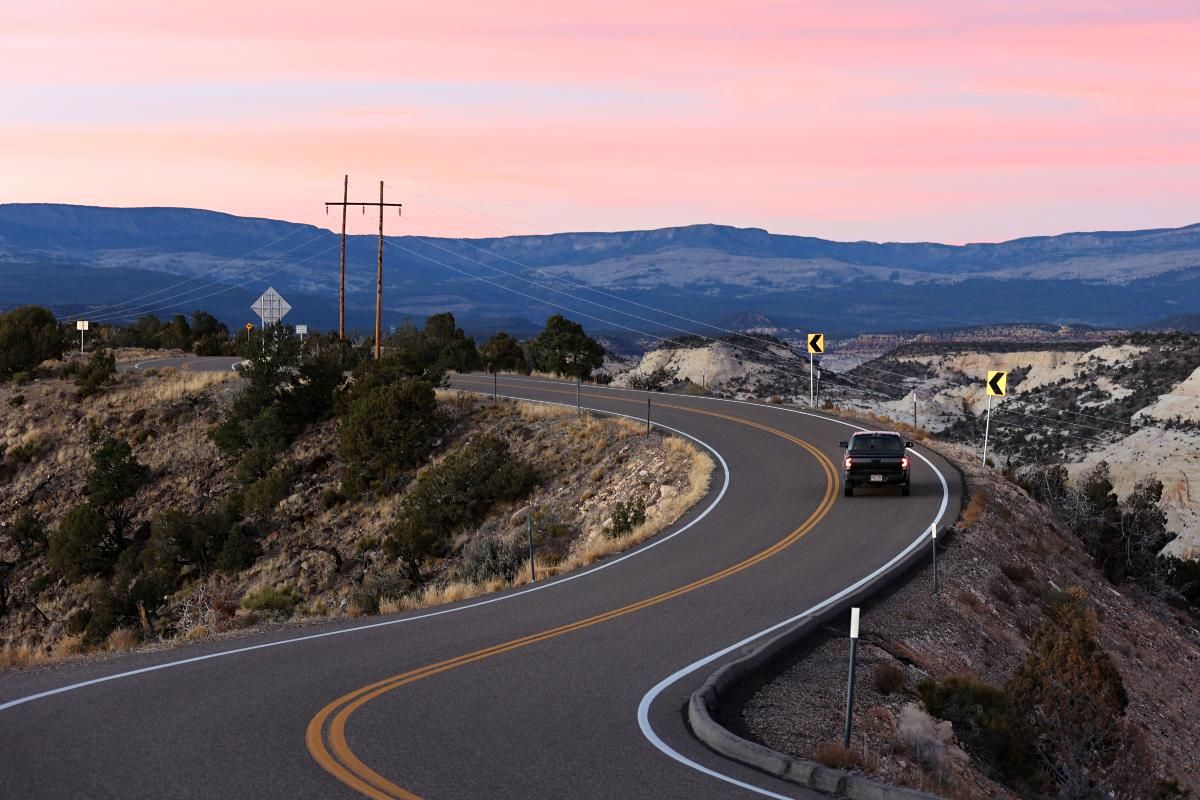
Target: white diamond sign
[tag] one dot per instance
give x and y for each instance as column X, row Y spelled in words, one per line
column 271, row 308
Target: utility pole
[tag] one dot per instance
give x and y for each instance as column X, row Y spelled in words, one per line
column 379, row 283
column 342, row 282
column 379, row 273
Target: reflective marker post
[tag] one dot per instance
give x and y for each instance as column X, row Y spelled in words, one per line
column 987, row 426
column 853, row 668
column 529, row 531
column 578, row 395
column 933, row 539
column 647, row 416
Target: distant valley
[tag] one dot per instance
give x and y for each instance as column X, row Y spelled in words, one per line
column 115, row 264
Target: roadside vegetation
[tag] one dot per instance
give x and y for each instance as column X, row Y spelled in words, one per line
column 159, row 504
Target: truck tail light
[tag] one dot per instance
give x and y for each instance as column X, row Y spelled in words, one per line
column 904, row 462
column 849, row 462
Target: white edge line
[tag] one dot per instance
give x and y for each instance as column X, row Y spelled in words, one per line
column 535, row 588
column 140, row 364
column 643, row 711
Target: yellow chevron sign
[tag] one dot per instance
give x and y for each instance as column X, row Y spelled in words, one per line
column 816, row 343
column 997, row 383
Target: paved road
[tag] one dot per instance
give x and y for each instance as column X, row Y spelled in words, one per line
column 559, row 691
column 188, row 363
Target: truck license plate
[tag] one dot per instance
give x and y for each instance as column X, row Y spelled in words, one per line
column 877, row 478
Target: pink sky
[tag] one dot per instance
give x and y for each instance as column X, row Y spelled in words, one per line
column 876, row 120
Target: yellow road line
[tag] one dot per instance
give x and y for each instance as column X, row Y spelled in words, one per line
column 339, row 760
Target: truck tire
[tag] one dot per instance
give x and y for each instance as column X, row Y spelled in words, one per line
column 848, row 491
column 904, row 490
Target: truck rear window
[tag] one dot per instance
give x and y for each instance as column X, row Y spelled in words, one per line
column 876, row 444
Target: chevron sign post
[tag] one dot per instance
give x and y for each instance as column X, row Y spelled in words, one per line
column 816, row 344
column 997, row 386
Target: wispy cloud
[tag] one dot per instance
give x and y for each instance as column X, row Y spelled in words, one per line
column 877, row 119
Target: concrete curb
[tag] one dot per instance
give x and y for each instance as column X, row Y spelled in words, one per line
column 705, row 702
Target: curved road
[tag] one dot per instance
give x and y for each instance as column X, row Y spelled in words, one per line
column 189, row 363
column 571, row 688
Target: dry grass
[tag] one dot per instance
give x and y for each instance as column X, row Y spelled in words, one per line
column 835, row 756
column 598, row 547
column 669, row 510
column 167, row 386
column 536, row 411
column 452, row 592
column 22, row 656
column 121, row 639
column 975, row 508
column 460, row 401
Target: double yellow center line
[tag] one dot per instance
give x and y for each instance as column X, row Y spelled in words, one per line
column 326, row 733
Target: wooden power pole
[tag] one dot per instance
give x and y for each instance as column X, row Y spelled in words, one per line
column 379, row 273
column 379, row 281
column 342, row 283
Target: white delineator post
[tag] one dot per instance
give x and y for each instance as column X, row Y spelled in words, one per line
column 853, row 666
column 933, row 547
column 987, row 427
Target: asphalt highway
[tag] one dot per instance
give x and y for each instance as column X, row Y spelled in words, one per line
column 188, row 363
column 573, row 687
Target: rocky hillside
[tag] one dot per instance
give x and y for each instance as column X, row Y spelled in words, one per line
column 1131, row 401
column 946, row 681
column 298, row 544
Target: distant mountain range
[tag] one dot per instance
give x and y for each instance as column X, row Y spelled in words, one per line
column 115, row 264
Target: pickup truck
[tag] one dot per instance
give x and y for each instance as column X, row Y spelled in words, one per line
column 876, row 458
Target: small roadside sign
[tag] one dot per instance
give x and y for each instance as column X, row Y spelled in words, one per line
column 997, row 383
column 302, row 329
column 816, row 343
column 81, row 324
column 249, row 326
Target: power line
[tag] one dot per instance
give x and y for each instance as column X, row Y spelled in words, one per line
column 1055, row 433
column 589, row 288
column 136, row 300
column 796, row 364
column 526, row 295
column 224, row 289
column 602, row 305
column 1059, row 421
